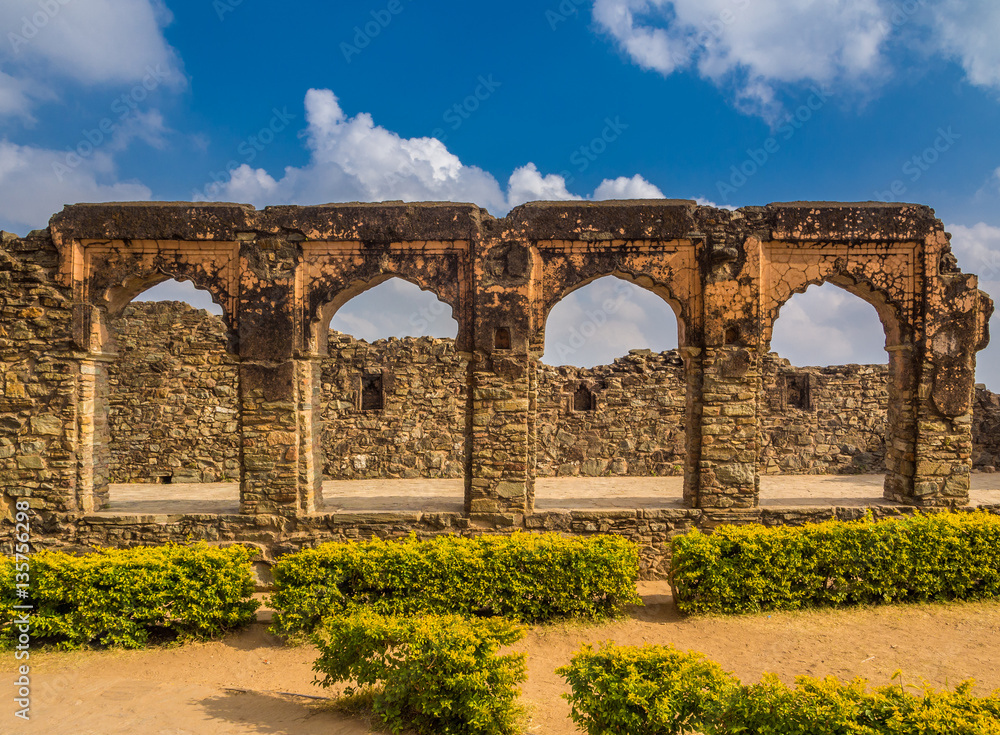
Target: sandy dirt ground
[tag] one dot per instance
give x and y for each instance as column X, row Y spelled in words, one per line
column 187, row 690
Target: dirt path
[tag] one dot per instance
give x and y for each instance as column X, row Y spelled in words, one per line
column 183, row 690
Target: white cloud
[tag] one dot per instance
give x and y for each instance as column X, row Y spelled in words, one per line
column 756, row 47
column 31, row 188
column 355, row 160
column 968, row 30
column 604, row 320
column 702, row 201
column 748, row 44
column 89, row 41
column 626, row 188
column 396, row 308
column 15, row 97
column 181, row 291
column 528, row 185
column 352, row 159
column 828, row 326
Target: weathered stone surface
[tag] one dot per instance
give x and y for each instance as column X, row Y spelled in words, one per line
column 279, row 274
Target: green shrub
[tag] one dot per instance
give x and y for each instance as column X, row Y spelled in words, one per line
column 526, row 577
column 433, row 674
column 115, row 597
column 945, row 556
column 641, row 689
column 657, row 690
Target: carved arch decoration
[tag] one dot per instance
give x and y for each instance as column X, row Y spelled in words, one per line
column 886, row 278
column 333, row 273
column 107, row 275
column 669, row 270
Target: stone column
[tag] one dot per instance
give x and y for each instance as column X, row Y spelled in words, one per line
column 502, row 484
column 955, row 328
column 278, row 389
column 93, row 443
column 730, row 363
column 901, row 425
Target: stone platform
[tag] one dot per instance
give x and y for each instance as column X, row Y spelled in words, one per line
column 559, row 493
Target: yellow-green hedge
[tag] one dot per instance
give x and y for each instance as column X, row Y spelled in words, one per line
column 944, row 556
column 523, row 576
column 658, row 690
column 116, row 597
column 432, row 675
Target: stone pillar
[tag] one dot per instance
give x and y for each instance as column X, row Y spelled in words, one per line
column 901, row 424
column 94, row 448
column 502, row 483
column 955, row 328
column 310, row 387
column 278, row 389
column 693, row 425
column 730, row 367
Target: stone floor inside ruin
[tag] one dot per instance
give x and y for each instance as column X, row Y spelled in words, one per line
column 551, row 493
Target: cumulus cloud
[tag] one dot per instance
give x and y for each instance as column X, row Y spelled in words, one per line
column 753, row 48
column 353, row 159
column 626, row 188
column 528, row 185
column 92, row 42
column 968, row 31
column 829, row 326
column 35, row 183
column 413, row 313
column 750, row 46
column 604, row 320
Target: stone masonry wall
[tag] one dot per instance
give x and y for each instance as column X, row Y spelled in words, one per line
column 633, row 426
column 823, row 420
column 38, row 376
column 420, row 429
column 986, row 430
column 173, row 403
column 172, row 397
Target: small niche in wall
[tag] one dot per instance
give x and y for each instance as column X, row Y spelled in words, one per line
column 795, row 389
column 501, row 338
column 372, row 393
column 584, row 399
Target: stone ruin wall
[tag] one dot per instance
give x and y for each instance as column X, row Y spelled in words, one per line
column 174, row 402
column 420, row 430
column 823, row 420
column 634, row 425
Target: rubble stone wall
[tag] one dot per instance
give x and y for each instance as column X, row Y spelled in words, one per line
column 419, row 431
column 173, row 409
column 633, row 425
column 823, row 420
column 173, row 397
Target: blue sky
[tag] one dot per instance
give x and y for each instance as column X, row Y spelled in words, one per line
column 308, row 102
